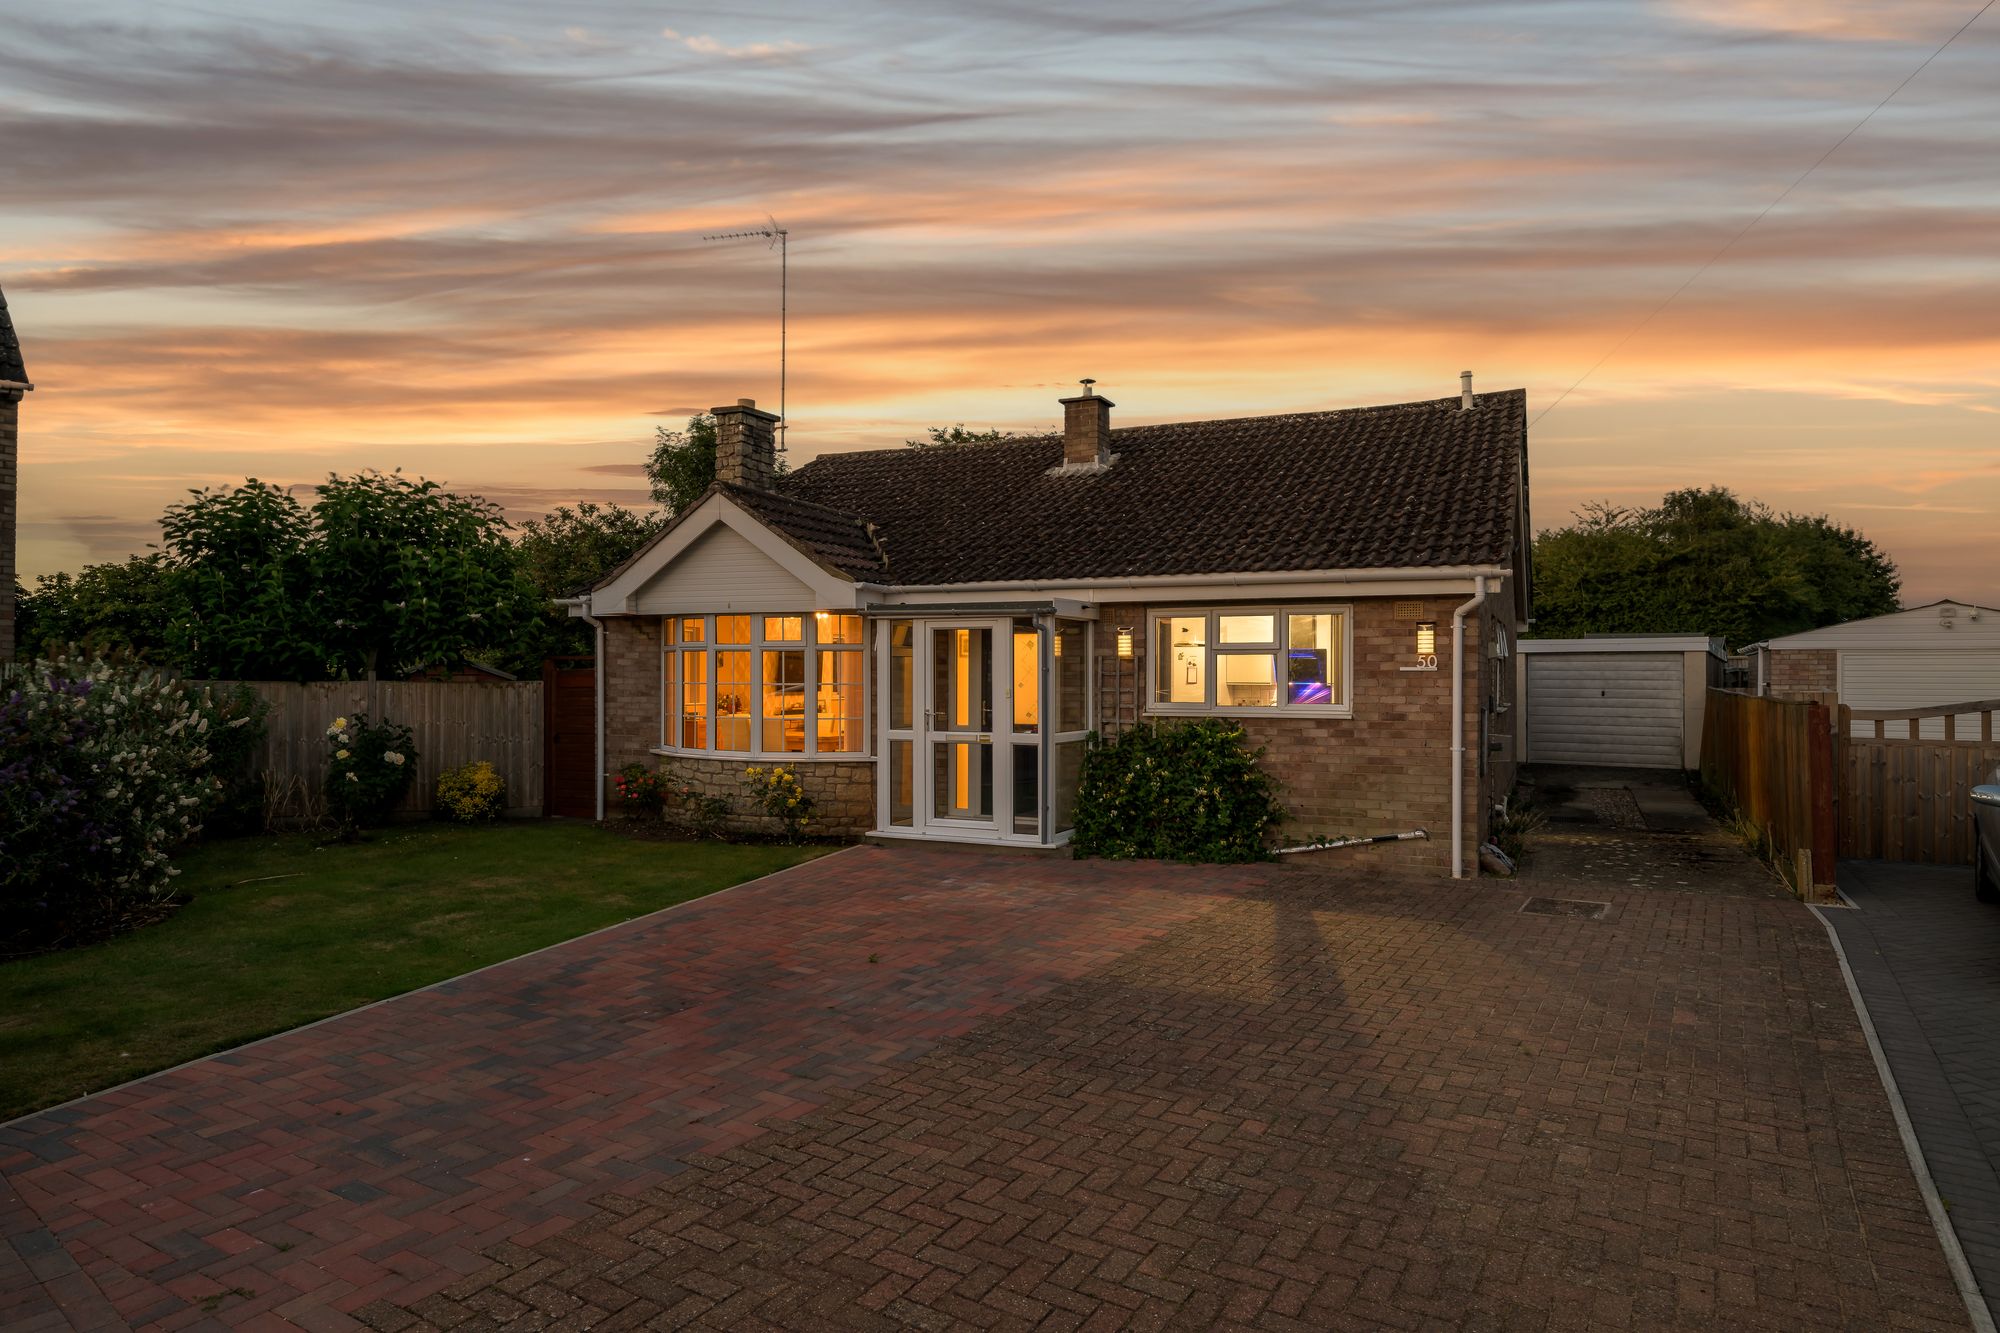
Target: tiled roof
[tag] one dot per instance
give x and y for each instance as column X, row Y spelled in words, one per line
column 10, row 348
column 1414, row 485
column 833, row 538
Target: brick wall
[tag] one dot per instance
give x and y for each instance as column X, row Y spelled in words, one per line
column 10, row 408
column 1388, row 768
column 843, row 789
column 1797, row 673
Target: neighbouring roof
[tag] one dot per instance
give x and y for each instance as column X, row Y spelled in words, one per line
column 11, row 367
column 1972, row 626
column 1413, row 485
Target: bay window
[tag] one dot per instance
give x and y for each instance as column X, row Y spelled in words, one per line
column 763, row 685
column 1277, row 660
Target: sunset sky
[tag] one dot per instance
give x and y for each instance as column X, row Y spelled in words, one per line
column 278, row 239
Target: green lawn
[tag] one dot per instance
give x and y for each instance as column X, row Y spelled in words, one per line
column 253, row 954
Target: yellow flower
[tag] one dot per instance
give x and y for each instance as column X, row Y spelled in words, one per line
column 340, row 754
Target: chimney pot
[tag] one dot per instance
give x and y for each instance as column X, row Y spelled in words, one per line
column 1087, row 428
column 746, row 446
column 1465, row 390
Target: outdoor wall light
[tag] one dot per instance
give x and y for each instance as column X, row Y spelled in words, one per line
column 1125, row 642
column 1058, row 639
column 1427, row 639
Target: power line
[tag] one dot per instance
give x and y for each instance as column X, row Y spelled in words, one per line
column 1730, row 244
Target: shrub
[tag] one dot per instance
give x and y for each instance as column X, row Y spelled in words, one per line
column 368, row 771
column 702, row 813
column 642, row 789
column 105, row 767
column 1185, row 791
column 235, row 715
column 778, row 790
column 470, row 794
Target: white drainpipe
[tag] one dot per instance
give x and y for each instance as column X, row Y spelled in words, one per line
column 598, row 673
column 1477, row 600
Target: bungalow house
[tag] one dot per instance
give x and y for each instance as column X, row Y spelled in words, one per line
column 930, row 634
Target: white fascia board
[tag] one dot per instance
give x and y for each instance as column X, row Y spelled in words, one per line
column 1264, row 587
column 1626, row 643
column 829, row 589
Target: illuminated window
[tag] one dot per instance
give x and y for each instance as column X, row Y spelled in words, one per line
column 764, row 684
column 1232, row 660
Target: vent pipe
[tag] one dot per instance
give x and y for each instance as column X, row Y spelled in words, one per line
column 1465, row 390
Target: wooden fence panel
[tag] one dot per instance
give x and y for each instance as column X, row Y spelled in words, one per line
column 452, row 723
column 1773, row 760
column 1905, row 800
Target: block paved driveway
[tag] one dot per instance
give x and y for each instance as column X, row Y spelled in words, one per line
column 1926, row 956
column 912, row 1088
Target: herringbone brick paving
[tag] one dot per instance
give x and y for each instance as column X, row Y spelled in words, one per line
column 1280, row 1098
column 378, row 1155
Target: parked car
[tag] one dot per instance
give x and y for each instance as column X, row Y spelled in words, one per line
column 1986, row 840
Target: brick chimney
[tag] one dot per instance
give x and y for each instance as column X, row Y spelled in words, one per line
column 1087, row 429
column 13, row 384
column 746, row 452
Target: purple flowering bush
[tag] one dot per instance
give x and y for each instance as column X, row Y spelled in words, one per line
column 105, row 768
column 369, row 766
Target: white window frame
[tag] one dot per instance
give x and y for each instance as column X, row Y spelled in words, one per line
column 1343, row 707
column 808, row 643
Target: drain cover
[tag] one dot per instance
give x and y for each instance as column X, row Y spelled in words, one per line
column 1578, row 907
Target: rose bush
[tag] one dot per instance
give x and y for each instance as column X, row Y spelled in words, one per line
column 783, row 797
column 368, row 772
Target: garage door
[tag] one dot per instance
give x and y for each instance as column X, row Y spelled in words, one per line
column 1617, row 709
column 1880, row 678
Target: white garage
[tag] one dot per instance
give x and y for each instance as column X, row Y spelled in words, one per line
column 1616, row 701
column 1943, row 653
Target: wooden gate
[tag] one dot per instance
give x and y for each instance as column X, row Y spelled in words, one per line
column 1908, row 799
column 569, row 732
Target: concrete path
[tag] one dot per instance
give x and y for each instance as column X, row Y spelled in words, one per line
column 1926, row 956
column 911, row 1088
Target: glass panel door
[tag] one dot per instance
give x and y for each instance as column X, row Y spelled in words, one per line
column 960, row 723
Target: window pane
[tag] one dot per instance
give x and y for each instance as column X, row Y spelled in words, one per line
column 902, row 778
column 694, row 700
column 837, row 702
column 670, row 628
column 1028, row 788
column 670, row 692
column 1311, row 659
column 1027, row 676
column 832, row 627
column 1246, row 629
column 692, row 629
column 784, row 705
column 732, row 697
column 732, row 629
column 902, row 675
column 784, row 629
column 1246, row 680
column 1072, row 677
column 1069, row 769
column 1180, row 647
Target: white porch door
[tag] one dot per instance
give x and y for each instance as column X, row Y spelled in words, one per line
column 962, row 744
column 967, row 774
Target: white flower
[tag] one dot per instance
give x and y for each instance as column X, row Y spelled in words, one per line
column 353, row 777
column 393, row 756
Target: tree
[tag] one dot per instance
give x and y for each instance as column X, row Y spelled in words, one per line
column 240, row 567
column 407, row 575
column 566, row 551
column 123, row 607
column 1706, row 562
column 384, row 575
column 683, row 463
column 958, row 434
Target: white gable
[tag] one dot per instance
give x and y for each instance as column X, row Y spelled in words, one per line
column 722, row 571
column 1947, row 626
column 719, row 557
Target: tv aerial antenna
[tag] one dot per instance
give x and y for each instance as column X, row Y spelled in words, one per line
column 774, row 236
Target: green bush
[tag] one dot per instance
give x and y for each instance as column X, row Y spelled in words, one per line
column 1181, row 791
column 369, row 769
column 782, row 796
column 470, row 794
column 105, row 767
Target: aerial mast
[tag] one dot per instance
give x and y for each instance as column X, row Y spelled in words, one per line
column 774, row 236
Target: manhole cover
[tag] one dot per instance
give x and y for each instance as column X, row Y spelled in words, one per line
column 1579, row 907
